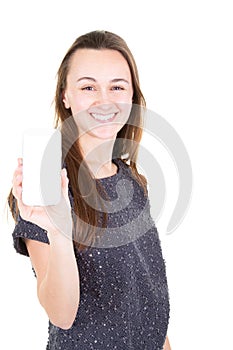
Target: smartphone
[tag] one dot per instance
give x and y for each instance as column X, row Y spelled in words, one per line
column 41, row 184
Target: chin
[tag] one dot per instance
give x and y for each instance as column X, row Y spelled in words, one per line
column 106, row 132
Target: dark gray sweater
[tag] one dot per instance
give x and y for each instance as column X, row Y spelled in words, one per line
column 124, row 302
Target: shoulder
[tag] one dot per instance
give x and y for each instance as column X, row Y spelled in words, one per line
column 26, row 230
column 122, row 163
column 132, row 171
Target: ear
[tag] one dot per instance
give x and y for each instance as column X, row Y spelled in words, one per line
column 66, row 100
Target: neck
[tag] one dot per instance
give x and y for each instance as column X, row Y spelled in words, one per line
column 97, row 153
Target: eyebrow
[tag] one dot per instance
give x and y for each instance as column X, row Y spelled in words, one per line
column 116, row 80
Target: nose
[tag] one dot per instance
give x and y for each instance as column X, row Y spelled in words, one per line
column 103, row 102
column 105, row 106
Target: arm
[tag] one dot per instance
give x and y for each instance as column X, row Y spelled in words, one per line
column 166, row 344
column 57, row 278
column 55, row 264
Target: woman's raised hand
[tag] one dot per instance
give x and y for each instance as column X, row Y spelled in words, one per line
column 54, row 219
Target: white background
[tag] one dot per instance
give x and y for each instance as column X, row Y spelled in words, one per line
column 185, row 59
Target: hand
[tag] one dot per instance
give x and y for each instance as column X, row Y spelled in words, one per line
column 54, row 218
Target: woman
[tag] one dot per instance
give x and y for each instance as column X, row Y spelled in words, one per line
column 100, row 272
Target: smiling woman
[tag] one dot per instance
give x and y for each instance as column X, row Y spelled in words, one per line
column 98, row 100
column 101, row 275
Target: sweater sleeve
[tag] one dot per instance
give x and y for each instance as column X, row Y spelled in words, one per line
column 25, row 229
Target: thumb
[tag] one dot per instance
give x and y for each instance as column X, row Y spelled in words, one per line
column 64, row 183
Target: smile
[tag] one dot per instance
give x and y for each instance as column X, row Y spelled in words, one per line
column 104, row 117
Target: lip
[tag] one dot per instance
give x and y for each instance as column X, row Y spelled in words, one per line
column 102, row 115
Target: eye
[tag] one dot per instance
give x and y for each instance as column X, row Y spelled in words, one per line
column 117, row 88
column 87, row 88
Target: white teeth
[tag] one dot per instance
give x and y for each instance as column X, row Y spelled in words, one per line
column 103, row 116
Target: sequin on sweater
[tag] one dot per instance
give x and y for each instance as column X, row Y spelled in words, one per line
column 124, row 301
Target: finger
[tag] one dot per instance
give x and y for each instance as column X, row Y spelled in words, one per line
column 17, row 192
column 64, row 179
column 18, row 171
column 20, row 161
column 18, row 180
column 64, row 184
column 17, row 183
column 17, row 177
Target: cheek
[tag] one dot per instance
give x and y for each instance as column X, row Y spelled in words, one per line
column 80, row 103
column 125, row 107
column 125, row 98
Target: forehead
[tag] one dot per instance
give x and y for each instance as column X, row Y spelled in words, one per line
column 102, row 63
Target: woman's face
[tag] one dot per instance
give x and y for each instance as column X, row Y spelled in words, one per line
column 99, row 92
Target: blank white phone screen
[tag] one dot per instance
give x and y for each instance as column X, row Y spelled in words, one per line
column 41, row 184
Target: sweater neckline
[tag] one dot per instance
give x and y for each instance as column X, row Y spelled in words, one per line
column 117, row 162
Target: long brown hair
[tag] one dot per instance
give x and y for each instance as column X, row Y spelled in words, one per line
column 129, row 136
